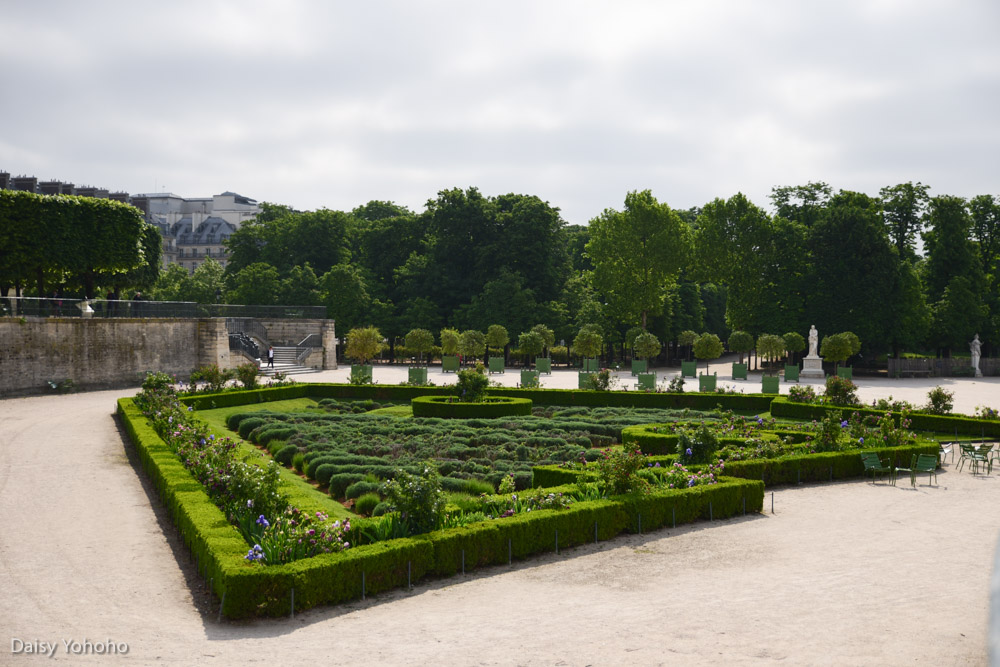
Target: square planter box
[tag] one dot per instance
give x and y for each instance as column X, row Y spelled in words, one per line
column 846, row 372
column 529, row 378
column 449, row 364
column 769, row 384
column 689, row 369
column 543, row 365
column 639, row 366
column 707, row 382
column 646, row 382
column 417, row 375
column 739, row 371
column 496, row 364
column 583, row 380
column 791, row 373
column 361, row 371
column 591, row 365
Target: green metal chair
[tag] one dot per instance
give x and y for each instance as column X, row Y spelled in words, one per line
column 924, row 463
column 875, row 466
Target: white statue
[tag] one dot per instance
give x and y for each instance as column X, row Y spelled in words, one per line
column 813, row 341
column 976, row 348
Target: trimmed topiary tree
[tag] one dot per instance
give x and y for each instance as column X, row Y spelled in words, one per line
column 646, row 345
column 363, row 343
column 449, row 341
column 740, row 342
column 707, row 346
column 420, row 341
column 588, row 341
column 686, row 339
column 472, row 344
column 770, row 347
column 530, row 343
column 794, row 343
column 497, row 337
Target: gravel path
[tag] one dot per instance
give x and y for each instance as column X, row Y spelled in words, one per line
column 844, row 573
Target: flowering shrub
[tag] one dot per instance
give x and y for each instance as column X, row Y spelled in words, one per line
column 841, row 391
column 419, row 500
column 472, row 383
column 802, row 393
column 248, row 494
column 214, row 377
column 617, row 470
column 830, row 432
column 697, row 446
column 983, row 412
column 602, row 380
column 890, row 404
column 678, row 476
column 676, row 385
column 939, row 401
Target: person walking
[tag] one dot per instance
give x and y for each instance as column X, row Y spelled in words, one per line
column 270, row 357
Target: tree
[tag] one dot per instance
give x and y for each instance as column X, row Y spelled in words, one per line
column 449, row 341
column 345, row 294
column 836, row 348
column 497, row 337
column 687, row 339
column 801, row 203
column 205, row 285
column 588, row 341
column 770, row 347
column 547, row 334
column 363, row 344
column 256, row 284
column 740, row 342
column 530, row 343
column 903, row 209
column 707, row 346
column 419, row 341
column 472, row 344
column 646, row 345
column 300, row 287
column 637, row 254
column 794, row 342
column 957, row 315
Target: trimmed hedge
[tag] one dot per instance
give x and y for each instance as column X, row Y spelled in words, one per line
column 919, row 421
column 448, row 408
column 560, row 397
column 252, row 590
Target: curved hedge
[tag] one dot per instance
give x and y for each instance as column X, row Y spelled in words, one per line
column 448, row 407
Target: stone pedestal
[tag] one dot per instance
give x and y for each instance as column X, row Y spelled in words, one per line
column 812, row 367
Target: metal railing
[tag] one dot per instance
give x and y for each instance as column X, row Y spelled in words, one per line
column 249, row 326
column 62, row 307
column 242, row 342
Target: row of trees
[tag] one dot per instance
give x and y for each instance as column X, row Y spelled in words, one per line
column 74, row 244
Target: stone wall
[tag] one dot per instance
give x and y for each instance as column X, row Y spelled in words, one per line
column 104, row 353
column 289, row 332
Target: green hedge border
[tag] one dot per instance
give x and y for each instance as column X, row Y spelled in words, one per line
column 919, row 421
column 447, row 407
column 247, row 590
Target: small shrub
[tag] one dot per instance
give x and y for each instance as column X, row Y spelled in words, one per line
column 984, row 412
column 841, row 391
column 286, row 454
column 472, row 384
column 340, row 481
column 157, row 381
column 418, row 499
column 359, row 489
column 474, row 487
column 940, row 401
column 698, row 445
column 830, row 433
column 382, row 508
column 299, row 462
column 367, row 503
column 802, row 393
column 618, row 470
column 602, row 380
column 676, row 385
column 506, row 485
column 215, row 377
column 246, row 375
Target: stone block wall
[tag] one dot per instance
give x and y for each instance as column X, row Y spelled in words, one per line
column 104, row 353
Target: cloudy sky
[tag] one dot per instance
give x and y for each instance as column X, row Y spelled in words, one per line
column 332, row 104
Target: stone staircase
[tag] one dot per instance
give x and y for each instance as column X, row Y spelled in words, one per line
column 285, row 361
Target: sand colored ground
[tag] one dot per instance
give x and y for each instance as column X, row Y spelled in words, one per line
column 845, row 573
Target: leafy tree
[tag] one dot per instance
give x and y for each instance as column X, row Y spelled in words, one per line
column 300, row 287
column 588, row 341
column 363, row 344
column 631, row 335
column 530, row 343
column 904, row 207
column 449, row 341
column 170, row 286
column 836, row 348
column 646, row 345
column 472, row 344
column 547, row 334
column 205, row 285
column 794, row 343
column 957, row 315
column 256, row 284
column 770, row 347
column 740, row 342
column 687, row 339
column 420, row 341
column 707, row 346
column 497, row 337
column 637, row 253
column 345, row 295
column 801, row 203
column 948, row 245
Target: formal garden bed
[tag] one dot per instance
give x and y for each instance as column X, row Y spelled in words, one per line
column 433, row 496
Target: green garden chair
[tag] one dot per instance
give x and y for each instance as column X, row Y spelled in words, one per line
column 875, row 466
column 925, row 463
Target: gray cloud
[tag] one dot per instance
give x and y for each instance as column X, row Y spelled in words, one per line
column 332, row 104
